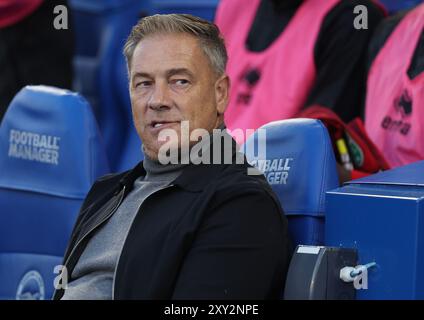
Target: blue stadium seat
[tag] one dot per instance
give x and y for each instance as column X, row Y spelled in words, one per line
column 204, row 8
column 397, row 5
column 299, row 164
column 100, row 72
column 50, row 154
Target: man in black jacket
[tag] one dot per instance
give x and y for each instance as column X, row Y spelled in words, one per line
column 171, row 228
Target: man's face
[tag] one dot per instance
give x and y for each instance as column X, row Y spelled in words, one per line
column 171, row 80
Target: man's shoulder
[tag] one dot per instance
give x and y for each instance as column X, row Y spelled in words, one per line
column 243, row 179
column 241, row 193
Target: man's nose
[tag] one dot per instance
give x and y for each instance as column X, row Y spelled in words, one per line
column 159, row 99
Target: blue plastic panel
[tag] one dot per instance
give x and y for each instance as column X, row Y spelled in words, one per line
column 411, row 175
column 384, row 220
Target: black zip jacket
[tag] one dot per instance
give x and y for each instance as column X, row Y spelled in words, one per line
column 214, row 233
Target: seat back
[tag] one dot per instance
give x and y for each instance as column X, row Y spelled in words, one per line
column 101, row 29
column 298, row 162
column 50, row 154
column 395, row 5
column 204, row 9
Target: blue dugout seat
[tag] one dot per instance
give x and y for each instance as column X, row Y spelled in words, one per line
column 300, row 166
column 50, row 154
column 101, row 29
column 398, row 5
column 204, row 8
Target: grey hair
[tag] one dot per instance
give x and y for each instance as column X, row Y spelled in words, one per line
column 211, row 41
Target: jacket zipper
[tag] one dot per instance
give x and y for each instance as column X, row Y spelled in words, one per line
column 95, row 227
column 122, row 249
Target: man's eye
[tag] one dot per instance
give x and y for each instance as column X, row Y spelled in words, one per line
column 181, row 82
column 143, row 84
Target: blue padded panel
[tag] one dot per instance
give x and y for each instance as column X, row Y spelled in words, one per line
column 51, row 152
column 299, row 164
column 58, row 127
column 29, row 221
column 101, row 30
column 14, row 267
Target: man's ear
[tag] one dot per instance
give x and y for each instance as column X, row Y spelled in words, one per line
column 222, row 92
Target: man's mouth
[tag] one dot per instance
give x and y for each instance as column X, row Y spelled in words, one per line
column 162, row 124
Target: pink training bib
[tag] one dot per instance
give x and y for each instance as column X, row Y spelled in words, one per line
column 394, row 116
column 13, row 11
column 272, row 84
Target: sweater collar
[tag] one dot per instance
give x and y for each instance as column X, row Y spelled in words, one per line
column 194, row 177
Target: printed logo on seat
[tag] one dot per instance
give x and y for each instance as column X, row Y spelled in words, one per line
column 31, row 287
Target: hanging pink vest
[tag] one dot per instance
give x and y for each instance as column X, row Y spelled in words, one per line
column 272, row 84
column 394, row 117
column 13, row 11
